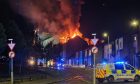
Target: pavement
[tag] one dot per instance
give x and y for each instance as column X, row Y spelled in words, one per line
column 67, row 76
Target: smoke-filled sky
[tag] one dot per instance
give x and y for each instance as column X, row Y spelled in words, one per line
column 60, row 18
column 112, row 16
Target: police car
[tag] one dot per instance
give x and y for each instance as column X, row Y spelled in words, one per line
column 116, row 71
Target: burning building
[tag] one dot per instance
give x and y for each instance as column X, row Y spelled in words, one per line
column 59, row 18
column 56, row 21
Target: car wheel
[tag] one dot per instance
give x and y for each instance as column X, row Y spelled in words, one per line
column 110, row 79
column 137, row 78
column 100, row 80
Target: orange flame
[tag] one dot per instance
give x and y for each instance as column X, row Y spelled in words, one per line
column 76, row 33
column 66, row 37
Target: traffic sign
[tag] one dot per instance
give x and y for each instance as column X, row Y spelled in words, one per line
column 95, row 40
column 11, row 45
column 94, row 50
column 11, row 54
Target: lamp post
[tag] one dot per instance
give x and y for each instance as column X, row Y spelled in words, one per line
column 106, row 35
column 135, row 24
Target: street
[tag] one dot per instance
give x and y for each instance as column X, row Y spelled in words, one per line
column 68, row 76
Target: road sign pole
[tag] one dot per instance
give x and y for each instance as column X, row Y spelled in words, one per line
column 11, row 55
column 94, row 51
column 94, row 78
column 95, row 40
column 12, row 75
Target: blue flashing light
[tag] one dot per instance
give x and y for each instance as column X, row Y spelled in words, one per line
column 58, row 68
column 104, row 63
column 58, row 64
column 62, row 59
column 120, row 62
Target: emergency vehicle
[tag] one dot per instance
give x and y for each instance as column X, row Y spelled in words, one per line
column 116, row 71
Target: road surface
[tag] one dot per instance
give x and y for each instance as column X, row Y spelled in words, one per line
column 69, row 76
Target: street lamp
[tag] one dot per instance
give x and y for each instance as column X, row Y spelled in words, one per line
column 106, row 35
column 31, row 61
column 134, row 23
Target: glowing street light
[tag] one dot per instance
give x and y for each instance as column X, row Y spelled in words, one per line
column 105, row 34
column 134, row 23
column 31, row 62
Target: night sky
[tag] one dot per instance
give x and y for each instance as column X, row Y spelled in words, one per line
column 112, row 16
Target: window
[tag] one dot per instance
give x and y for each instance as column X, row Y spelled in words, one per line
column 119, row 66
column 128, row 67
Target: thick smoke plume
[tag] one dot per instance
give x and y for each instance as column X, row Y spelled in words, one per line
column 60, row 18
